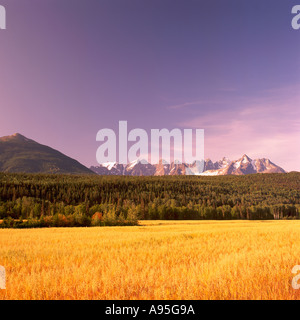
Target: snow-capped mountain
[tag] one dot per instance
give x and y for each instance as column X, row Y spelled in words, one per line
column 242, row 166
column 139, row 168
column 109, row 168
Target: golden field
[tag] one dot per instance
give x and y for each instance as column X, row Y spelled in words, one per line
column 157, row 260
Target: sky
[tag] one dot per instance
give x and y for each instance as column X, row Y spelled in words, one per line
column 231, row 67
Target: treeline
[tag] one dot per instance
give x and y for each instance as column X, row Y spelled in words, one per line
column 51, row 200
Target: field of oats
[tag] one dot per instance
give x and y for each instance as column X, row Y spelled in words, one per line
column 156, row 260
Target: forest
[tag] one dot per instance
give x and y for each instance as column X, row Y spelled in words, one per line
column 40, row 200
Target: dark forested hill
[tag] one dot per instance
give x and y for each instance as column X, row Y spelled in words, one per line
column 19, row 154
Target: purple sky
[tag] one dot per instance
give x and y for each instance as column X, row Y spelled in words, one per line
column 70, row 68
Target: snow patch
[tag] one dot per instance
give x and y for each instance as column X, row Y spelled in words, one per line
column 245, row 160
column 253, row 163
column 133, row 163
column 209, row 173
column 237, row 164
column 109, row 165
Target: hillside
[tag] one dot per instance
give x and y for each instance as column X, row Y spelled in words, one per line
column 20, row 154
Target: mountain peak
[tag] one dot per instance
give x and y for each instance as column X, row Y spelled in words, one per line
column 245, row 158
column 15, row 136
column 19, row 136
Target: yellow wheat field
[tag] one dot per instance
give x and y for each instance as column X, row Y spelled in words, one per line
column 159, row 260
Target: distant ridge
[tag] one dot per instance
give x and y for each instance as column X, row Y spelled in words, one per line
column 20, row 154
column 242, row 166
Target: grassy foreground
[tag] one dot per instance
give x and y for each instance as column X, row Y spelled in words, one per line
column 157, row 260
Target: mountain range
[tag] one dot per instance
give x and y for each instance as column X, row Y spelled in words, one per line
column 20, row 154
column 242, row 166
